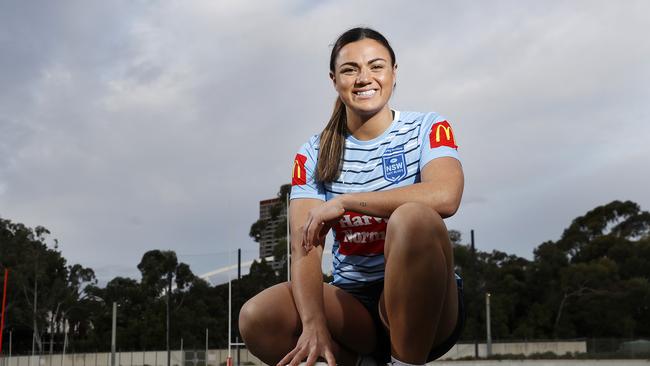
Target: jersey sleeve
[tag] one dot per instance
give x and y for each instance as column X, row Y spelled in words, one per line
column 303, row 178
column 437, row 139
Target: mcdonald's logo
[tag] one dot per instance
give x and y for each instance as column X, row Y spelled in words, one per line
column 442, row 135
column 299, row 172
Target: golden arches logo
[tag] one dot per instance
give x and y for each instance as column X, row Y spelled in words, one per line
column 299, row 176
column 446, row 138
column 297, row 173
column 448, row 134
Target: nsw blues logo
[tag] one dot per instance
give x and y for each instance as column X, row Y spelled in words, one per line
column 394, row 164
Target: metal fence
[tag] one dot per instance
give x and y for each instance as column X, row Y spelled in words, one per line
column 592, row 348
column 524, row 349
column 599, row 348
column 146, row 358
column 616, row 347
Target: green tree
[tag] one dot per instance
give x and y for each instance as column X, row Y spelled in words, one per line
column 160, row 269
column 43, row 290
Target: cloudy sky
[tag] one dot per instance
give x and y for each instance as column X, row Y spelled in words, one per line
column 132, row 125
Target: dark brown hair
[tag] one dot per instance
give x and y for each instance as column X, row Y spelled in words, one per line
column 332, row 139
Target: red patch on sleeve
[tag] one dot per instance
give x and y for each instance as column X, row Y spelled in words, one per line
column 441, row 134
column 299, row 176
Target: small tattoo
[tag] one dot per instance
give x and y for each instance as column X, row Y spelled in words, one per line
column 363, row 204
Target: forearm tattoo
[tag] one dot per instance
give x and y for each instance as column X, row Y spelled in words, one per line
column 363, row 204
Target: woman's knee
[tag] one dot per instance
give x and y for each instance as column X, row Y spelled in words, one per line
column 248, row 316
column 415, row 216
column 263, row 313
column 416, row 228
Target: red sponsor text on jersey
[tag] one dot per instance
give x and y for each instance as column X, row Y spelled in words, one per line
column 441, row 134
column 299, row 176
column 360, row 234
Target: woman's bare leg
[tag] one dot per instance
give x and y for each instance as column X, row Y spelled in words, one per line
column 419, row 302
column 270, row 324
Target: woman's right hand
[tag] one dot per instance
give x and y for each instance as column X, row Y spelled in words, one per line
column 314, row 342
column 320, row 220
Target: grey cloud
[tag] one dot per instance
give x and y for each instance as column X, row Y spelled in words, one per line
column 128, row 126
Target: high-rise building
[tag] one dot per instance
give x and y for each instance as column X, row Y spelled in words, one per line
column 268, row 239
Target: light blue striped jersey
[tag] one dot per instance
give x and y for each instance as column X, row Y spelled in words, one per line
column 391, row 160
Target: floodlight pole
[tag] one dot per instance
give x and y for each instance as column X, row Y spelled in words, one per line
column 238, row 294
column 489, row 330
column 113, row 334
column 34, row 310
column 229, row 359
column 474, row 269
column 4, row 301
column 169, row 321
column 288, row 240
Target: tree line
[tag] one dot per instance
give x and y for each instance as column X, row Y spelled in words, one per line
column 592, row 282
column 63, row 304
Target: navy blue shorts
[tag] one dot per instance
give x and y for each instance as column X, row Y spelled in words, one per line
column 369, row 295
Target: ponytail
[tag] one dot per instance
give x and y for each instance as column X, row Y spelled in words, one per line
column 332, row 145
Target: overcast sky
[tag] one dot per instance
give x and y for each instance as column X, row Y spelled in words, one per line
column 134, row 125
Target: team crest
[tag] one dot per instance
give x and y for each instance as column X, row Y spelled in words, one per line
column 394, row 164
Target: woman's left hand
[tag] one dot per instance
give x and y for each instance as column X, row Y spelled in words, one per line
column 319, row 221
